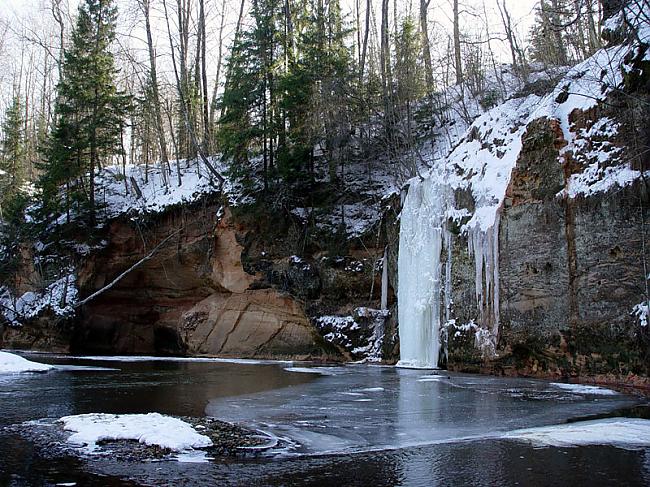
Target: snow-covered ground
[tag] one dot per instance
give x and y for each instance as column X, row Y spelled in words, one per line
column 619, row 432
column 149, row 429
column 11, row 363
column 135, row 189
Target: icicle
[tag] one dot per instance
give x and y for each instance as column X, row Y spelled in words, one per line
column 448, row 243
column 384, row 281
column 495, row 270
column 484, row 246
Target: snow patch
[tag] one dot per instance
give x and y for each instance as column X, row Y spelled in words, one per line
column 149, row 429
column 365, row 326
column 641, row 311
column 60, row 298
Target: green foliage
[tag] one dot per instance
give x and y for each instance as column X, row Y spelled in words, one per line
column 12, row 160
column 411, row 85
column 286, row 90
column 89, row 112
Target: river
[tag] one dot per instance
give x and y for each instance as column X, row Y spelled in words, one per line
column 344, row 425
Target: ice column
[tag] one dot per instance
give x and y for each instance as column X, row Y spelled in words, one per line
column 421, row 275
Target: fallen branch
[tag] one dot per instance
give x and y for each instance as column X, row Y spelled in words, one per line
column 129, row 270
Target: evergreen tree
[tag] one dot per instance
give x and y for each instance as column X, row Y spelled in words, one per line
column 12, row 162
column 410, row 82
column 288, row 89
column 89, row 111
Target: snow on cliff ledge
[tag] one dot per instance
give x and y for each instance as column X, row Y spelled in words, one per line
column 60, row 298
column 135, row 189
column 483, row 160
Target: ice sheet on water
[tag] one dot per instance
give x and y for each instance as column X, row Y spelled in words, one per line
column 584, row 389
column 312, row 370
column 148, row 358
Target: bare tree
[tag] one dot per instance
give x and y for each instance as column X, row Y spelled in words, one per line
column 145, row 6
column 426, row 44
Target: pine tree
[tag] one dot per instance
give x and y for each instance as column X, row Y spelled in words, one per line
column 89, row 111
column 12, row 162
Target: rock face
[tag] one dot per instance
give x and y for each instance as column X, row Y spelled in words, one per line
column 191, row 296
column 258, row 323
column 543, row 208
column 571, row 266
column 570, row 274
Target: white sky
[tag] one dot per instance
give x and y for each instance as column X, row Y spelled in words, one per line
column 34, row 15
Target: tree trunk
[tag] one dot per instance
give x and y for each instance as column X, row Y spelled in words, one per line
column 426, row 45
column 213, row 103
column 160, row 128
column 457, row 53
column 204, row 77
column 386, row 72
column 236, row 37
column 366, row 33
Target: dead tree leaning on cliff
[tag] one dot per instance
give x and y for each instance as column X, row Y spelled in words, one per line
column 147, row 257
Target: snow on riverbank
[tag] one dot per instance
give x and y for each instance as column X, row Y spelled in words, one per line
column 150, row 429
column 620, row 432
column 11, row 364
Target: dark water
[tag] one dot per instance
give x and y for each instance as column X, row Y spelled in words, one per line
column 354, row 426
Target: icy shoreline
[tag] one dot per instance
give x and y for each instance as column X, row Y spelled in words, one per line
column 13, row 364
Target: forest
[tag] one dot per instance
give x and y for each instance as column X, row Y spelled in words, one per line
column 267, row 87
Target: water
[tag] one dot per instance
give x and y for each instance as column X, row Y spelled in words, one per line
column 352, row 425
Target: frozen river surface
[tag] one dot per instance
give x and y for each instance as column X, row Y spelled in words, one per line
column 348, row 425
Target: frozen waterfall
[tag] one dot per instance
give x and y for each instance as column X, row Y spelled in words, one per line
column 422, row 275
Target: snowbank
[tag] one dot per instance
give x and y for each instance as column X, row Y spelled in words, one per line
column 583, row 389
column 620, row 432
column 149, row 429
column 11, row 363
